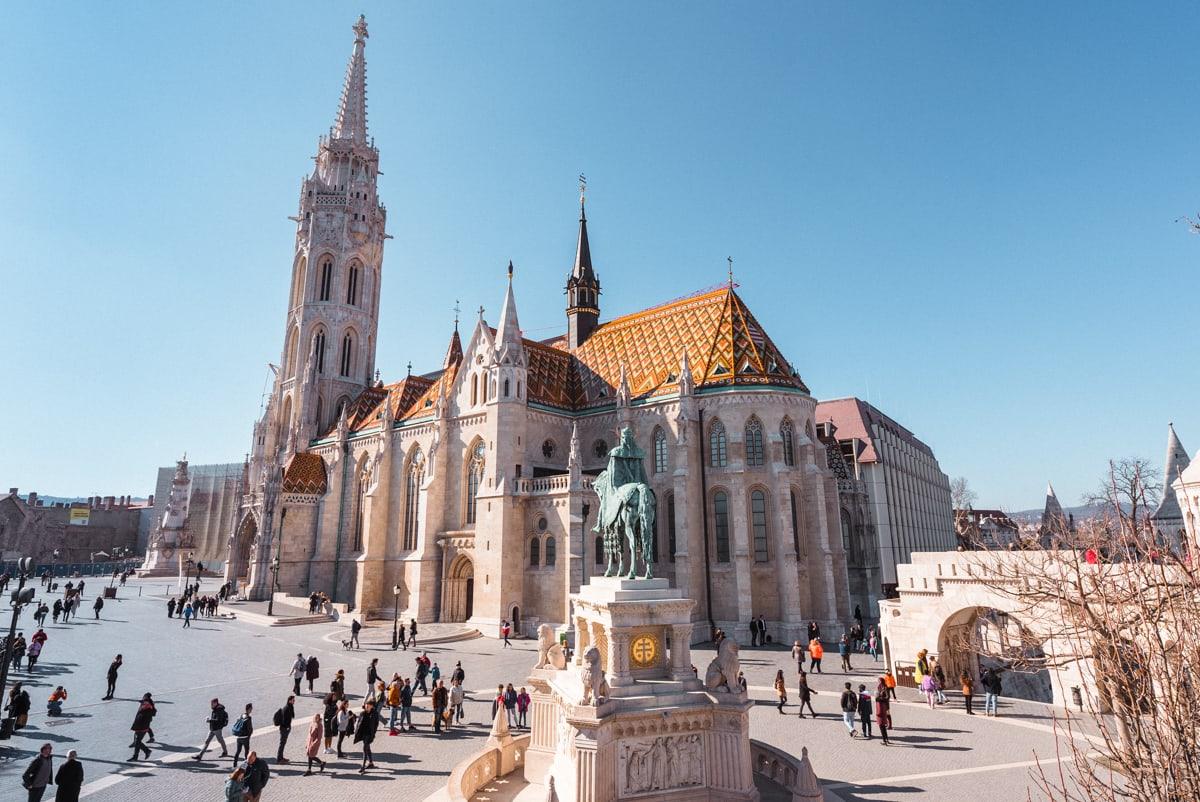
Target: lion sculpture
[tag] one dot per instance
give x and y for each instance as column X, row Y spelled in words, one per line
column 550, row 651
column 595, row 687
column 722, row 673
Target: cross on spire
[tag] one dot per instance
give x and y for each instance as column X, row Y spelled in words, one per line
column 730, row 260
column 582, row 187
column 457, row 312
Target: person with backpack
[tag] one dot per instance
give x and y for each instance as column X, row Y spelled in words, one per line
column 242, row 729
column 368, row 725
column 849, row 705
column 217, row 720
column 939, row 681
column 256, row 776
column 283, row 721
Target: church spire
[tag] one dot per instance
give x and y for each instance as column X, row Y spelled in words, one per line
column 508, row 331
column 583, row 286
column 351, row 122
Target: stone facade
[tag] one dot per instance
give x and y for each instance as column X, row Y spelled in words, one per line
column 29, row 528
column 468, row 488
column 214, row 494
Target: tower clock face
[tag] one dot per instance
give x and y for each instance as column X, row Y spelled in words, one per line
column 643, row 651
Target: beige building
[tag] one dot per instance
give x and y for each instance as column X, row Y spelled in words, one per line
column 467, row 490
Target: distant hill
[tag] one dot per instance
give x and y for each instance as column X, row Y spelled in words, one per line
column 1081, row 513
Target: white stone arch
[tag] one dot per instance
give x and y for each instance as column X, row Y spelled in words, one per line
column 458, row 593
column 326, row 278
column 299, row 281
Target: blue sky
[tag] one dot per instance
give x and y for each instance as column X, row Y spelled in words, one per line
column 964, row 213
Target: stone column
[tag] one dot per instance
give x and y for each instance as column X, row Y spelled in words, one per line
column 587, row 777
column 681, row 652
column 618, row 659
column 583, row 638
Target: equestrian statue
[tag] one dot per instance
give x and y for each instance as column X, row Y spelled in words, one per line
column 627, row 507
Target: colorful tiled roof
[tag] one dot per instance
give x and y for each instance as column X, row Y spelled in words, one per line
column 305, row 473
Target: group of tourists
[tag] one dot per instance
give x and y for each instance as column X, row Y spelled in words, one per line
column 192, row 605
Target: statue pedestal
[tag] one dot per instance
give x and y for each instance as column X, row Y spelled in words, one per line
column 630, row 718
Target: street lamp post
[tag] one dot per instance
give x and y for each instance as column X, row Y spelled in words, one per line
column 20, row 597
column 275, row 565
column 187, row 580
column 395, row 617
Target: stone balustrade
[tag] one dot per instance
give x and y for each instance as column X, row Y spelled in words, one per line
column 786, row 771
column 471, row 775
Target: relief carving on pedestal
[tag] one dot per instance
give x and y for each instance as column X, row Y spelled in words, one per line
column 660, row 764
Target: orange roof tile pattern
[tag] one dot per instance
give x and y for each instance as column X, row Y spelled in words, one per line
column 305, row 474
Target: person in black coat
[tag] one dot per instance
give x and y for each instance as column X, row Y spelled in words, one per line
column 368, row 725
column 257, row 775
column 69, row 779
column 141, row 726
column 39, row 774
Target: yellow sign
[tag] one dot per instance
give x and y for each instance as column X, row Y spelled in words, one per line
column 644, row 651
column 80, row 516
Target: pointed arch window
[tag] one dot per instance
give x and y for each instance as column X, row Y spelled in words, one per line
column 551, row 551
column 326, row 278
column 754, row 443
column 347, row 354
column 289, row 368
column 721, row 525
column 846, row 527
column 474, row 480
column 506, row 388
column 352, row 285
column 795, row 523
column 758, row 524
column 660, row 450
column 360, row 504
column 535, row 556
column 298, row 281
column 717, row 445
column 474, row 390
column 319, row 350
column 671, row 542
column 412, row 499
column 789, row 443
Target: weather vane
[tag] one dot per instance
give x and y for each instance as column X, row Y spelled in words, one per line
column 730, row 260
column 457, row 312
column 582, row 186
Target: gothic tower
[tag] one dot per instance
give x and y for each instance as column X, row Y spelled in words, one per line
column 332, row 318
column 583, row 289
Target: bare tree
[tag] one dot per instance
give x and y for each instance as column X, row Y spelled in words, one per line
column 961, row 494
column 963, row 498
column 1115, row 612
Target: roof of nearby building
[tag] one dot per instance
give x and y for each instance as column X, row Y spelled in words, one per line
column 305, row 474
column 854, row 419
column 1176, row 463
column 998, row 517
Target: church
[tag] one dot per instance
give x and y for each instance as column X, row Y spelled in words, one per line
column 464, row 494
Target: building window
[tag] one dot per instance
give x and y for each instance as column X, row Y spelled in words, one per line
column 347, row 353
column 717, row 445
column 660, row 450
column 550, row 551
column 360, row 502
column 599, row 550
column 754, row 443
column 758, row 524
column 795, row 523
column 671, row 527
column 721, row 525
column 548, row 449
column 846, row 525
column 326, row 278
column 319, row 350
column 506, row 388
column 534, row 552
column 412, row 499
column 474, row 479
column 600, row 449
column 352, row 285
column 474, row 390
column 789, row 445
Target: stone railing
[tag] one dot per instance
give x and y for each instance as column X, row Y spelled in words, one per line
column 545, row 485
column 476, row 772
column 786, row 771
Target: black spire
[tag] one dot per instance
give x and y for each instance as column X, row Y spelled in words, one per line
column 583, row 287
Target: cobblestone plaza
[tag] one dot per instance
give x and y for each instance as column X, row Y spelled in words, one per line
column 936, row 754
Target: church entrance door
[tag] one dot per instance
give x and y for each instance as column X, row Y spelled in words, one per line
column 458, row 603
column 239, row 556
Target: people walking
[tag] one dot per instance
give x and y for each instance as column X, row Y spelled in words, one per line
column 171, row 607
column 939, row 682
column 883, row 714
column 283, row 721
column 329, row 719
column 968, row 690
column 372, row 679
column 299, row 666
column 56, row 610
column 456, row 701
column 523, row 702
column 368, row 725
column 242, row 729
column 873, row 644
column 141, row 726
column 338, row 686
column 406, row 700
column 849, row 705
column 510, row 705
column 18, row 706
column 422, row 673
column 864, row 711
column 441, row 705
column 235, row 787
column 217, row 720
column 69, row 779
column 992, row 686
column 412, row 633
column 257, row 775
column 33, row 653
column 929, row 688
column 505, row 631
column 780, row 690
column 844, row 653
column 312, row 671
column 815, row 652
column 316, row 731
column 798, row 656
column 804, row 694
column 98, row 606
column 188, row 612
column 393, row 701
column 345, row 725
column 355, row 628
column 39, row 773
